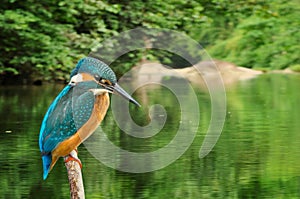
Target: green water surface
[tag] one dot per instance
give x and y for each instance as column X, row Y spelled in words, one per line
column 257, row 155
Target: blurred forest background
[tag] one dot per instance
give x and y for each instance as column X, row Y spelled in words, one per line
column 45, row 39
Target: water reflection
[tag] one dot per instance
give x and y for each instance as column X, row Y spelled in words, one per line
column 257, row 155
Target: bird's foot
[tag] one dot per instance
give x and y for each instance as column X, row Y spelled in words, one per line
column 71, row 158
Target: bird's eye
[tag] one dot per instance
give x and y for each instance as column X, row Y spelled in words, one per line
column 97, row 77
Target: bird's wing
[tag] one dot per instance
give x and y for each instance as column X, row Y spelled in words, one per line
column 67, row 113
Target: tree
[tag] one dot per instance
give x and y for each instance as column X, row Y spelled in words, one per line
column 268, row 38
column 46, row 38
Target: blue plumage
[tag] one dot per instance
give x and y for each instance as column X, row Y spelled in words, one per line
column 69, row 111
column 73, row 108
column 45, row 124
column 96, row 67
column 47, row 159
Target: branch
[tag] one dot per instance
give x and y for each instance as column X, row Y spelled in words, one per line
column 75, row 177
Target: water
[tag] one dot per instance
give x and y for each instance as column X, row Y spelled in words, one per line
column 257, row 155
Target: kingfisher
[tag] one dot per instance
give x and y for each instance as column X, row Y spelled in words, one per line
column 77, row 110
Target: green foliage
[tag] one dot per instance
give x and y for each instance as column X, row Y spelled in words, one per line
column 264, row 40
column 33, row 46
column 46, row 38
column 295, row 67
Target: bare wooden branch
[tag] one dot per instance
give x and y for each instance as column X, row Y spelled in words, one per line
column 75, row 177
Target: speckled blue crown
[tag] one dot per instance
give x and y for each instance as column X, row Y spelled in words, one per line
column 94, row 66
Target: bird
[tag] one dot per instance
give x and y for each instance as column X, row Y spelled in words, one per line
column 77, row 110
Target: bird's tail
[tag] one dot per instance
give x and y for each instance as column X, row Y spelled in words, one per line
column 47, row 159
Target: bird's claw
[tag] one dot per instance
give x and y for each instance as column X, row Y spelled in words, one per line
column 71, row 158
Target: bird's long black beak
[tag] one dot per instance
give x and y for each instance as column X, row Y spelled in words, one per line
column 119, row 90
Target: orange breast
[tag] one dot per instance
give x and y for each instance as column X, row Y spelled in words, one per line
column 99, row 111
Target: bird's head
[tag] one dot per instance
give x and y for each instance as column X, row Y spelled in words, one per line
column 92, row 69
